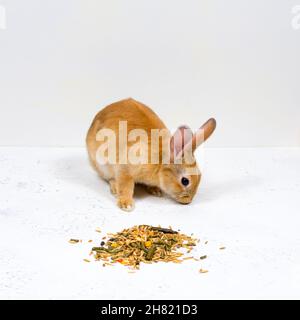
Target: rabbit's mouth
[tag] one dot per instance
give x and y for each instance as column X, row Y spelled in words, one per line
column 184, row 199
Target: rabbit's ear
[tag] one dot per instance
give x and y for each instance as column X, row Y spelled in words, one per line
column 203, row 133
column 182, row 136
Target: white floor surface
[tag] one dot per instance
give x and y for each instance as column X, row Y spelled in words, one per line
column 248, row 201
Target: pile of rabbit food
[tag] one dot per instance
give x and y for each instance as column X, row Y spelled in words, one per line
column 145, row 244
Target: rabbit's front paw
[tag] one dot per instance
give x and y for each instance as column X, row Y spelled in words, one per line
column 154, row 191
column 126, row 204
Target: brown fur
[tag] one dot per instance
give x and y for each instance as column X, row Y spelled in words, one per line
column 157, row 177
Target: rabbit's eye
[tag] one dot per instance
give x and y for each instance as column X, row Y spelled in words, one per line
column 185, row 181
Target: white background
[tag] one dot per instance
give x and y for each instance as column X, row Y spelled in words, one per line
column 239, row 61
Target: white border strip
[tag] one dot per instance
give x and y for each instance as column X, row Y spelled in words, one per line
column 2, row 17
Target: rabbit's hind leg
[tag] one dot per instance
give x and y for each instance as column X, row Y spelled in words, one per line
column 113, row 186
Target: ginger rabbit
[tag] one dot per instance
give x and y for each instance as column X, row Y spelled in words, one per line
column 163, row 167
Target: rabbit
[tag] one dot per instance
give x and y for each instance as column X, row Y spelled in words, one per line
column 173, row 178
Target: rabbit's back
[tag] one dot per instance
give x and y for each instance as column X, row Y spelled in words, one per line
column 133, row 114
column 136, row 114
